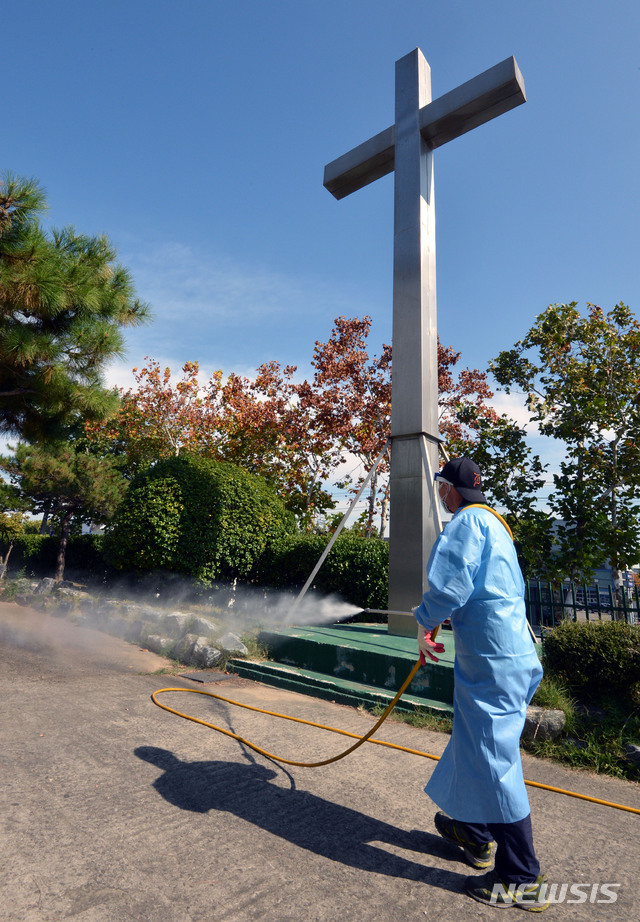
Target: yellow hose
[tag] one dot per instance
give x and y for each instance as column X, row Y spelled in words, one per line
column 270, row 755
column 360, row 739
column 493, row 512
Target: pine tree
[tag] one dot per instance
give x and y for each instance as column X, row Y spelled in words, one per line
column 63, row 303
column 67, row 480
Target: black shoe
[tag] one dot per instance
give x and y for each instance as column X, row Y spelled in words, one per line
column 491, row 890
column 477, row 854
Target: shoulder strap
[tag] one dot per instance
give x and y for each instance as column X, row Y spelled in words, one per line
column 493, row 512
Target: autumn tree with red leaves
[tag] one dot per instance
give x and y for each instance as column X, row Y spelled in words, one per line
column 268, row 425
column 468, row 389
column 354, row 392
column 295, row 434
column 160, row 418
column 275, row 427
column 353, row 399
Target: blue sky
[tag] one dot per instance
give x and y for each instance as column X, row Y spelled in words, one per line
column 195, row 134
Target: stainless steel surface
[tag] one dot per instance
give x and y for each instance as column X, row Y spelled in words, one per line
column 401, row 625
column 414, row 399
column 407, row 148
column 362, row 165
column 429, row 473
column 384, row 611
column 475, row 102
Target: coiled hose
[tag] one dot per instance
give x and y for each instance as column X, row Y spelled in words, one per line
column 360, row 739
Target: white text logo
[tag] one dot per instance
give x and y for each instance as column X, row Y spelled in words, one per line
column 555, row 893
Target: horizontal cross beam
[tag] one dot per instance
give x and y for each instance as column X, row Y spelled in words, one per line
column 475, row 102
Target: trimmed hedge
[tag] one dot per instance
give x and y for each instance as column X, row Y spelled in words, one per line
column 356, row 568
column 148, row 536
column 594, row 657
column 36, row 555
column 204, row 519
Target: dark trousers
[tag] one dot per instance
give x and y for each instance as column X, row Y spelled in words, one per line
column 516, row 860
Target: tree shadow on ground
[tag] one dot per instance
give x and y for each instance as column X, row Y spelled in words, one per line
column 310, row 822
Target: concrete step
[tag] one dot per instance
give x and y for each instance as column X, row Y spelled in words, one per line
column 361, row 661
column 330, row 688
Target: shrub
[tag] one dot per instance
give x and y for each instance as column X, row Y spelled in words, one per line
column 595, row 657
column 356, row 568
column 36, row 555
column 85, row 556
column 205, row 519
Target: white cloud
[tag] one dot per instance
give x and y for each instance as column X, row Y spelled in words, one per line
column 7, row 444
column 119, row 374
column 514, row 406
column 173, row 277
column 232, row 314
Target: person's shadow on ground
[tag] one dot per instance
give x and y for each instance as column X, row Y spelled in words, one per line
column 312, row 823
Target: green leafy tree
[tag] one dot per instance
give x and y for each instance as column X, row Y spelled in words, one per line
column 11, row 527
column 13, row 522
column 581, row 376
column 512, row 476
column 63, row 304
column 68, row 481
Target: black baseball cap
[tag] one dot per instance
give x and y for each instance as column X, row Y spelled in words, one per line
column 464, row 474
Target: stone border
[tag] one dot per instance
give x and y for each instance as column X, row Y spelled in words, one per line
column 189, row 638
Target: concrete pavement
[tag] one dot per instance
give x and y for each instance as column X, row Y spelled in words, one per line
column 114, row 810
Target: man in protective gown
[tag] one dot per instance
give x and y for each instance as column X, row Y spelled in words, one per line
column 475, row 581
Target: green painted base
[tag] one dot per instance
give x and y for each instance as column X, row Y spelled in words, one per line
column 353, row 664
column 340, row 691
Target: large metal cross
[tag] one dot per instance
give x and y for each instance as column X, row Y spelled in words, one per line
column 407, row 148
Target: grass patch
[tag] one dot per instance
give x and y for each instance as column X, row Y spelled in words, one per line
column 173, row 669
column 595, row 740
column 551, row 693
column 10, row 588
column 256, row 650
column 421, row 718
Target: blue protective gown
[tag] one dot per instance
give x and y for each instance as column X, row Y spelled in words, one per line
column 475, row 580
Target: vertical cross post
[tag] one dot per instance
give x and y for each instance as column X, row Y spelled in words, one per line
column 407, row 147
column 415, row 348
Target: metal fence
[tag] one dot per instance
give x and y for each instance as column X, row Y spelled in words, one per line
column 548, row 605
